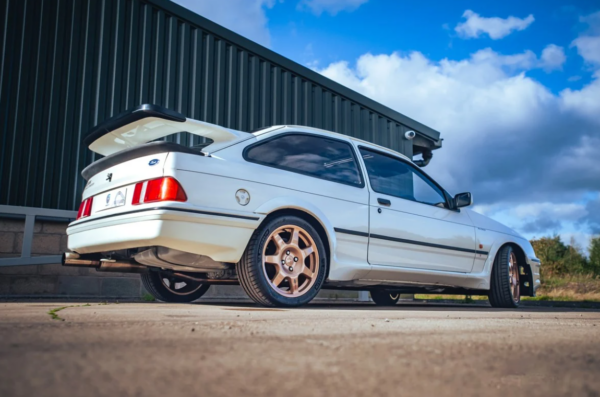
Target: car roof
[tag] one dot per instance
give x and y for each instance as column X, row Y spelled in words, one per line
column 319, row 131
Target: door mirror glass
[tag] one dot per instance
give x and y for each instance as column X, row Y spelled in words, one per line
column 463, row 200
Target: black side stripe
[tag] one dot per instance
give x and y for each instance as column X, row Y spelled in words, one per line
column 352, row 232
column 251, row 218
column 405, row 241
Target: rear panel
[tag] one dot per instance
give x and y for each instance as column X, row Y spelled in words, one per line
column 112, row 188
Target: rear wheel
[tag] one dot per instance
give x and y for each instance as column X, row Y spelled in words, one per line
column 284, row 264
column 385, row 298
column 505, row 289
column 167, row 288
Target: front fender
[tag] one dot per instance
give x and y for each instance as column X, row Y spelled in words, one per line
column 503, row 239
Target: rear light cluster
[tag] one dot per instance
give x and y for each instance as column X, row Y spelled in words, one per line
column 85, row 208
column 161, row 189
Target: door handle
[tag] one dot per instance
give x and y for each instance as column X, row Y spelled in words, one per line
column 383, row 201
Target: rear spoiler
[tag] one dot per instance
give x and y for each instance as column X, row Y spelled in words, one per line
column 148, row 123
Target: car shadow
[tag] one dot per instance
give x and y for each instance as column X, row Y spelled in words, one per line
column 404, row 306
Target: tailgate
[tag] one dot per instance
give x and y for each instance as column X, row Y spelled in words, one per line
column 133, row 153
column 113, row 188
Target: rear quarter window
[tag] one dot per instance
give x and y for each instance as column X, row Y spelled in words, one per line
column 312, row 155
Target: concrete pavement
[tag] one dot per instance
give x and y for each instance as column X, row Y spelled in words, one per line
column 220, row 349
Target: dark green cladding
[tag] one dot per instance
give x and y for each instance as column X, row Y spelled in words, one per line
column 67, row 65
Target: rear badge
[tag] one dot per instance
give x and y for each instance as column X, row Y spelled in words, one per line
column 153, row 162
column 242, row 196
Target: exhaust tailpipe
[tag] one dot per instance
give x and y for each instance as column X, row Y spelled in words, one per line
column 74, row 259
column 101, row 265
column 121, row 267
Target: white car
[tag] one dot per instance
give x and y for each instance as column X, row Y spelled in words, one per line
column 284, row 211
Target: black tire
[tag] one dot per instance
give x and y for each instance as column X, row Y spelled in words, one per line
column 501, row 293
column 253, row 274
column 153, row 282
column 384, row 298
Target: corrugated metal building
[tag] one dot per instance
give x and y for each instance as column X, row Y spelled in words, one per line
column 67, row 65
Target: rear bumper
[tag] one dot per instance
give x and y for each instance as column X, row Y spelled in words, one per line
column 220, row 236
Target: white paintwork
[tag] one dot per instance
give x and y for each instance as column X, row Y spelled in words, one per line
column 414, row 221
column 211, row 183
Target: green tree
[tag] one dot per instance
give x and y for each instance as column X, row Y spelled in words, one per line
column 558, row 258
column 594, row 261
column 551, row 251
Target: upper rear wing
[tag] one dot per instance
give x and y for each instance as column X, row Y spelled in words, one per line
column 147, row 123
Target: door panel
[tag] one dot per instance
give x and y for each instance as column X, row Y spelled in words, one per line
column 410, row 234
column 410, row 224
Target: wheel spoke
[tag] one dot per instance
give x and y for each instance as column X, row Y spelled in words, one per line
column 274, row 259
column 307, row 251
column 307, row 272
column 294, row 238
column 278, row 241
column 293, row 284
column 278, row 279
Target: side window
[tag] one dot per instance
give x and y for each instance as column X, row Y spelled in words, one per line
column 394, row 177
column 310, row 155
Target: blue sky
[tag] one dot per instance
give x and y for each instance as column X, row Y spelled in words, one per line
column 387, row 26
column 513, row 86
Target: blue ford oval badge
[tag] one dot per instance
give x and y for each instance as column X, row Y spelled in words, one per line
column 153, row 162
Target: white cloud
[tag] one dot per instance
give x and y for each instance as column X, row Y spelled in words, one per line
column 585, row 101
column 588, row 44
column 553, row 57
column 589, row 48
column 245, row 17
column 520, row 146
column 332, row 7
column 496, row 28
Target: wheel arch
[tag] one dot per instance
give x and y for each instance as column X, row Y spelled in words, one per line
column 524, row 267
column 319, row 222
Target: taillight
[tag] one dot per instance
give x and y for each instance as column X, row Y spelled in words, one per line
column 161, row 189
column 85, row 208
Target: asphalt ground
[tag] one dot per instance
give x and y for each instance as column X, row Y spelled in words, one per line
column 225, row 349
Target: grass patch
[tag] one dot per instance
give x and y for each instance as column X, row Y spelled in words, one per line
column 455, row 298
column 55, row 316
column 53, row 313
column 573, row 288
column 148, row 298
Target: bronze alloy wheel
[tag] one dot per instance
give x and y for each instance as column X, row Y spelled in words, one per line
column 285, row 262
column 290, row 261
column 513, row 277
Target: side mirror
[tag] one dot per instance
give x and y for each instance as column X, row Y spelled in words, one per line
column 463, row 200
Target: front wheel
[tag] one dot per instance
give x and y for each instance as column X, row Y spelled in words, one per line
column 168, row 288
column 285, row 263
column 385, row 298
column 505, row 286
